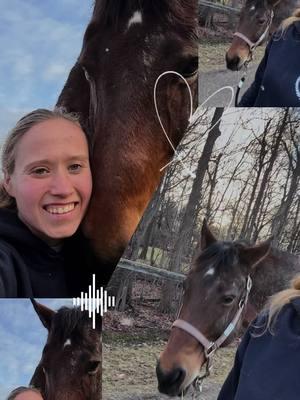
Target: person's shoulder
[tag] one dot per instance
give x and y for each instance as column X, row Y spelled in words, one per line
column 291, row 32
column 8, row 271
column 284, row 323
column 14, row 276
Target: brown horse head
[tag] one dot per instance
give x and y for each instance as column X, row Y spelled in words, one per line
column 127, row 45
column 70, row 367
column 255, row 19
column 213, row 291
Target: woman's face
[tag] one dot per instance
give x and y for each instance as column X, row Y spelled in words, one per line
column 51, row 181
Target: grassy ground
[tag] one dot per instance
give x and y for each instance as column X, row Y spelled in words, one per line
column 129, row 362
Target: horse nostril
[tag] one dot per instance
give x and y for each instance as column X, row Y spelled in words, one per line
column 170, row 383
column 233, row 63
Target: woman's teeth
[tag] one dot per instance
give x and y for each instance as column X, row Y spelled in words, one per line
column 60, row 209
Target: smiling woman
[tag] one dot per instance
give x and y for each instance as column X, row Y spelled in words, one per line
column 44, row 196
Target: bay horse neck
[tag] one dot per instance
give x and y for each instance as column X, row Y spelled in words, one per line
column 127, row 45
column 272, row 275
column 73, row 349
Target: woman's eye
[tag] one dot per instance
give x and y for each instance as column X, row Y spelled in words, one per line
column 40, row 171
column 75, row 167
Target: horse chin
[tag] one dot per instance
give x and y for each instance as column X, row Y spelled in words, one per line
column 187, row 387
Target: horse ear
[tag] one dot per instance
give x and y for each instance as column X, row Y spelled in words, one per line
column 45, row 314
column 207, row 237
column 255, row 254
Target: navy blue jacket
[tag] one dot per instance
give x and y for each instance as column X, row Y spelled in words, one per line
column 30, row 268
column 277, row 79
column 267, row 367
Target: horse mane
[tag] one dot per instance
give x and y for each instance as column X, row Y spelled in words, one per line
column 68, row 321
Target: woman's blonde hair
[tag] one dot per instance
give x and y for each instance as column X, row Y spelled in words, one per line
column 290, row 20
column 8, row 156
column 280, row 299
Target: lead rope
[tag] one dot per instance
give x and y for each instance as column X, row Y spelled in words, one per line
column 177, row 156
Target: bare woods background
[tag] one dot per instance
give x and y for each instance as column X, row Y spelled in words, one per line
column 247, row 169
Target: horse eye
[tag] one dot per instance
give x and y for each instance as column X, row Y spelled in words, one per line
column 261, row 20
column 228, row 300
column 189, row 68
column 92, row 367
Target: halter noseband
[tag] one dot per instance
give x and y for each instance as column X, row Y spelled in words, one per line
column 211, row 346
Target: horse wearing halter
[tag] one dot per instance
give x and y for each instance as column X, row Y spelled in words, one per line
column 211, row 346
column 252, row 47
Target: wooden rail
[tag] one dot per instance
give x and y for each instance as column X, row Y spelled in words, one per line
column 219, row 7
column 147, row 270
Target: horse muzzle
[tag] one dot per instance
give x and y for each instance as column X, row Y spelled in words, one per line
column 170, row 382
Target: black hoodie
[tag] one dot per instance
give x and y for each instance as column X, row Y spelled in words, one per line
column 29, row 267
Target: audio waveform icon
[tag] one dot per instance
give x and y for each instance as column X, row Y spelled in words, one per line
column 95, row 301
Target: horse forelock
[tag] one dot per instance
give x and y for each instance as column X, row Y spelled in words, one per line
column 69, row 321
column 113, row 13
column 221, row 255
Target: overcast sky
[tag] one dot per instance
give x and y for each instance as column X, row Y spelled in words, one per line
column 39, row 41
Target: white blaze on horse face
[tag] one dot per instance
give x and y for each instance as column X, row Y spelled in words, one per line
column 135, row 19
column 67, row 343
column 210, row 272
column 252, row 8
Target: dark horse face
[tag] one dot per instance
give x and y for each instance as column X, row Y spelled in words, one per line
column 254, row 19
column 127, row 45
column 212, row 292
column 70, row 367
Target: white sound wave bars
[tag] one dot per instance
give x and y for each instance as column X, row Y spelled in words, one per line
column 95, row 301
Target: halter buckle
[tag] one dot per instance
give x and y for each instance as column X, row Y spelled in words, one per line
column 209, row 351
